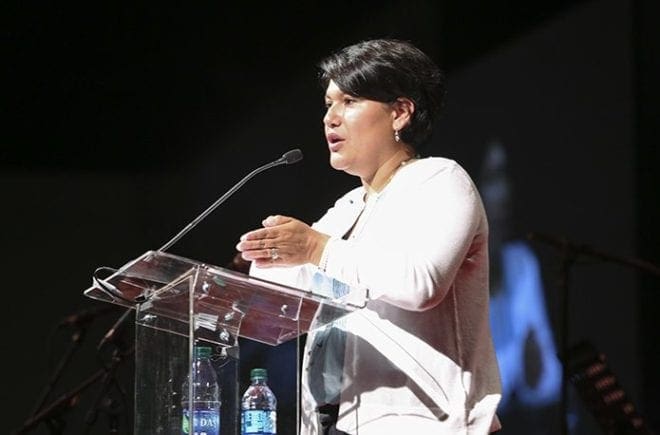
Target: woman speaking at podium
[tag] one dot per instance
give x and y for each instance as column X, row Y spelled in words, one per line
column 411, row 242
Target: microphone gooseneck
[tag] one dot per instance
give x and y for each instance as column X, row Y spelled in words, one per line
column 290, row 157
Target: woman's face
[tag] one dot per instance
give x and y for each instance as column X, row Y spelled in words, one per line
column 359, row 132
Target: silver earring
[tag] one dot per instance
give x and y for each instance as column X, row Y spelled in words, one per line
column 396, row 136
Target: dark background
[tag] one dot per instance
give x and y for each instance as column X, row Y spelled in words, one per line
column 123, row 121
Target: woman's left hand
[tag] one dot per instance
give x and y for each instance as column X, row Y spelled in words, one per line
column 283, row 241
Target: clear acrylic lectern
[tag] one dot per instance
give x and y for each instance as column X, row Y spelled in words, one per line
column 180, row 303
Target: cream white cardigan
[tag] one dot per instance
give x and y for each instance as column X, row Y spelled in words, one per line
column 419, row 357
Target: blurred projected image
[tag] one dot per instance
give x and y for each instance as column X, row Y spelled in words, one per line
column 526, row 352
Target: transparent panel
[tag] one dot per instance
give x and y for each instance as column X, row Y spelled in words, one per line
column 162, row 365
column 228, row 304
column 182, row 304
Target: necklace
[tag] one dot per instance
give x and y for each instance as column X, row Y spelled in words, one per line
column 369, row 206
column 401, row 165
column 391, row 176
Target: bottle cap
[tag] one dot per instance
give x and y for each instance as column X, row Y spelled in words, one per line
column 202, row 351
column 259, row 374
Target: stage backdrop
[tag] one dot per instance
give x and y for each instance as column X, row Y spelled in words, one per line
column 121, row 140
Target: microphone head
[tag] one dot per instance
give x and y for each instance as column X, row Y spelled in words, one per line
column 293, row 156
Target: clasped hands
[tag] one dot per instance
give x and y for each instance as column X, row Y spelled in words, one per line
column 283, row 241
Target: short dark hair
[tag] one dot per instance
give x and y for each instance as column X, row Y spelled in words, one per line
column 384, row 70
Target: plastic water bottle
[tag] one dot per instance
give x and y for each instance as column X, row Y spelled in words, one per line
column 206, row 403
column 258, row 406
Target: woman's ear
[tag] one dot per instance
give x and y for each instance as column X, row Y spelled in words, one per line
column 402, row 112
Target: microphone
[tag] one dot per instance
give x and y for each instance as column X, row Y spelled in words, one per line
column 579, row 248
column 84, row 317
column 112, row 332
column 288, row 158
column 293, row 156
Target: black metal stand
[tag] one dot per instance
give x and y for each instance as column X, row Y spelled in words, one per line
column 52, row 415
column 571, row 252
column 569, row 256
column 104, row 402
column 76, row 341
column 79, row 321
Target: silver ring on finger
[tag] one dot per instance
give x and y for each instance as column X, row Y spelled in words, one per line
column 274, row 254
